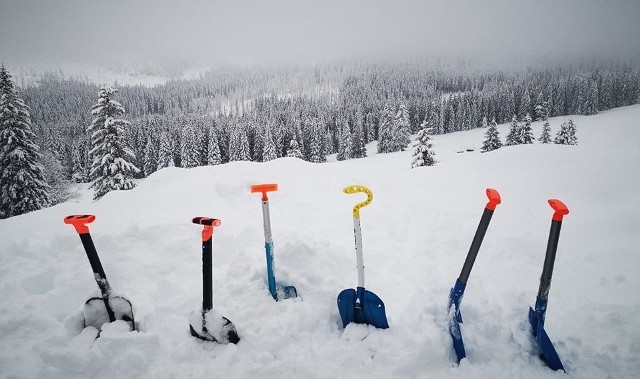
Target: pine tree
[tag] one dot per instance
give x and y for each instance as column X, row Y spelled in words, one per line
column 150, row 158
column 545, row 137
column 188, row 149
column 513, row 138
column 79, row 162
column 213, row 151
column 384, row 129
column 239, row 145
column 492, row 138
column 23, row 185
column 294, row 150
column 316, row 154
column 165, row 153
column 567, row 134
column 358, row 150
column 590, row 106
column 269, row 149
column 423, row 154
column 525, row 104
column 345, row 144
column 111, row 168
column 526, row 133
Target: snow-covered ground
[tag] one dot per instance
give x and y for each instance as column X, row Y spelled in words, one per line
column 416, row 234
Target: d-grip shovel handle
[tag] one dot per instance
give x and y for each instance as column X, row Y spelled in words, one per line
column 356, row 188
column 264, row 188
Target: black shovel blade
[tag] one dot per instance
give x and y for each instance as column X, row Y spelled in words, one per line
column 287, row 292
column 95, row 312
column 226, row 332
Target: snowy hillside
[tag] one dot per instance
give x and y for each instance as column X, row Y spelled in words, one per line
column 416, row 234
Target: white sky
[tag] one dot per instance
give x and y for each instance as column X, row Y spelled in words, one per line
column 276, row 31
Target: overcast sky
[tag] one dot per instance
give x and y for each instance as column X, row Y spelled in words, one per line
column 253, row 31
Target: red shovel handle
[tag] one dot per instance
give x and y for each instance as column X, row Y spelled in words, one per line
column 264, row 188
column 494, row 199
column 209, row 224
column 79, row 222
column 560, row 209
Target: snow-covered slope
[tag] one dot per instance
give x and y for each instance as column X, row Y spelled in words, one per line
column 416, row 234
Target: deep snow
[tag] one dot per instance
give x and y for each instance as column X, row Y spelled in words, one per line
column 416, row 234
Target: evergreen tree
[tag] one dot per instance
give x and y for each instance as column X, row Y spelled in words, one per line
column 545, row 137
column 294, row 150
column 345, row 144
column 526, row 133
column 525, row 104
column 316, row 154
column 54, row 173
column 269, row 150
column 567, row 134
column 188, row 149
column 423, row 154
column 590, row 106
column 239, row 145
column 358, row 150
column 541, row 109
column 111, row 168
column 513, row 138
column 384, row 129
column 213, row 151
column 23, row 185
column 492, row 138
column 79, row 162
column 165, row 153
column 150, row 158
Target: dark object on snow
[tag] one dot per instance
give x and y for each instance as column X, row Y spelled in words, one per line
column 99, row 310
column 227, row 332
column 277, row 292
column 361, row 306
column 537, row 316
column 455, row 296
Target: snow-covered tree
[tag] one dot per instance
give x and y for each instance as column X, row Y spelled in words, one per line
column 239, row 145
column 316, row 153
column 567, row 134
column 423, row 154
column 545, row 136
column 269, row 149
column 525, row 104
column 384, row 128
column 213, row 151
column 188, row 147
column 492, row 138
column 165, row 153
column 111, row 167
column 80, row 162
column 54, row 173
column 401, row 130
column 294, row 150
column 526, row 133
column 23, row 187
column 513, row 138
column 345, row 144
column 590, row 106
column 358, row 150
column 150, row 158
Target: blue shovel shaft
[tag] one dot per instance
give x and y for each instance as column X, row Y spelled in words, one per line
column 271, row 278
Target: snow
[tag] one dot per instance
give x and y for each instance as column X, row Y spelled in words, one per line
column 416, row 234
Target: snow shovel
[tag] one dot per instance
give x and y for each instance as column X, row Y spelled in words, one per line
column 277, row 292
column 209, row 326
column 536, row 316
column 457, row 292
column 360, row 306
column 99, row 310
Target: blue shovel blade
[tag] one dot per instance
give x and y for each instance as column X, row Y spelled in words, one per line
column 456, row 335
column 548, row 352
column 287, row 292
column 372, row 311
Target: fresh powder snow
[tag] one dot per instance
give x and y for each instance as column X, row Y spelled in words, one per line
column 416, row 234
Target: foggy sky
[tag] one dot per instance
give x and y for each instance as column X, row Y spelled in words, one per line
column 253, row 31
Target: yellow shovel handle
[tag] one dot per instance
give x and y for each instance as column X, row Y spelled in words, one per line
column 356, row 188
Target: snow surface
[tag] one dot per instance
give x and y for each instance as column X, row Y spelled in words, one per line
column 416, row 234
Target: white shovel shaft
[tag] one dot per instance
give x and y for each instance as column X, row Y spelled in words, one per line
column 266, row 222
column 359, row 256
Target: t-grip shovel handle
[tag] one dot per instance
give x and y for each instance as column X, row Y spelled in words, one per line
column 356, row 188
column 494, row 199
column 264, row 188
column 209, row 224
column 560, row 209
column 79, row 222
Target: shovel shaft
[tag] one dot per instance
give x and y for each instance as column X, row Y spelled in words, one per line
column 357, row 231
column 98, row 272
column 475, row 245
column 207, row 275
column 268, row 248
column 549, row 260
